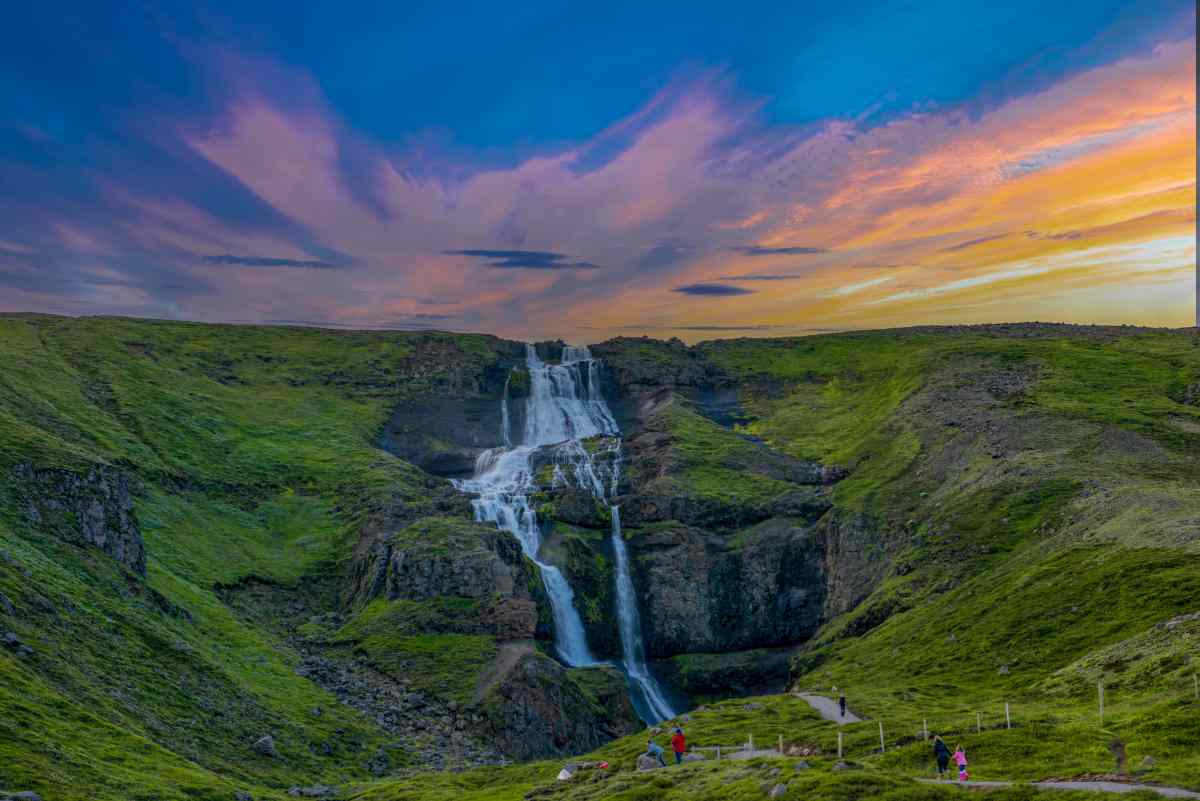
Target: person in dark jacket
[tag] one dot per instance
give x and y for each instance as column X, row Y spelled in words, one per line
column 842, row 702
column 941, row 752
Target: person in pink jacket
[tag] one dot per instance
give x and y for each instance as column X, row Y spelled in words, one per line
column 960, row 759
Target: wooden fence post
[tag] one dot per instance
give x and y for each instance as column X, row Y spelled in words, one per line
column 781, row 745
column 925, row 728
column 1100, row 690
column 718, row 753
column 1196, row 685
column 1007, row 717
column 978, row 723
column 750, row 740
column 882, row 747
column 839, row 744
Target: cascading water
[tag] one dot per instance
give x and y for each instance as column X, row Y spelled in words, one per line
column 565, row 406
column 630, row 625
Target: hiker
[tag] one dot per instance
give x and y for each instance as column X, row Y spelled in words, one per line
column 960, row 759
column 655, row 750
column 942, row 752
column 678, row 744
column 842, row 702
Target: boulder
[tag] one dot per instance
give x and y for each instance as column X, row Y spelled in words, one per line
column 778, row 791
column 647, row 762
column 265, row 745
column 694, row 756
column 242, row 795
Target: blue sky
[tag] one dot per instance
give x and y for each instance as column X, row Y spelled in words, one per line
column 100, row 96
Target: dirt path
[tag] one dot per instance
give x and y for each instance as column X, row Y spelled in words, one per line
column 829, row 710
column 1104, row 787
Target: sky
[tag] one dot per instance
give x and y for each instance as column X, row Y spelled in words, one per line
column 587, row 170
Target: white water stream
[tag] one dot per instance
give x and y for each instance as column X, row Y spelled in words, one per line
column 565, row 406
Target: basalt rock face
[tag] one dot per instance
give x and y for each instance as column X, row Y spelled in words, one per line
column 528, row 706
column 93, row 508
column 640, row 367
column 454, row 558
column 732, row 543
column 699, row 593
column 757, row 672
column 452, row 411
column 540, row 709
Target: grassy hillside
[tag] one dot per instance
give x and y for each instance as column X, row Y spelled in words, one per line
column 1029, row 498
column 254, row 453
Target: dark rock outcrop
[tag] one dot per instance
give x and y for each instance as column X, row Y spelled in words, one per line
column 757, row 672
column 702, row 594
column 540, row 709
column 446, row 557
column 93, row 509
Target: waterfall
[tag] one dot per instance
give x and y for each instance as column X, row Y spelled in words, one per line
column 630, row 624
column 505, row 425
column 565, row 406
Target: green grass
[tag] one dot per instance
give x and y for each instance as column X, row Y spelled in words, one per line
column 254, row 450
column 1049, row 528
column 718, row 465
column 402, row 638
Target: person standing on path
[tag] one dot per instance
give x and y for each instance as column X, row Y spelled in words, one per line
column 655, row 751
column 678, row 744
column 941, row 752
column 960, row 759
column 842, row 702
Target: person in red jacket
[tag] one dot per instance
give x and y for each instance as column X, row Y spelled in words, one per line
column 678, row 744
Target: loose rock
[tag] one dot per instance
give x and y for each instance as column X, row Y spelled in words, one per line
column 265, row 745
column 645, row 762
column 778, row 791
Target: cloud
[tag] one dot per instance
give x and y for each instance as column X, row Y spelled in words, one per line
column 759, row 250
column 525, row 259
column 264, row 261
column 970, row 243
column 764, row 277
column 712, row 290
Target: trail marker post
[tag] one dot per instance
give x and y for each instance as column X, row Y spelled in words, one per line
column 1007, row 717
column 882, row 747
column 839, row 744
